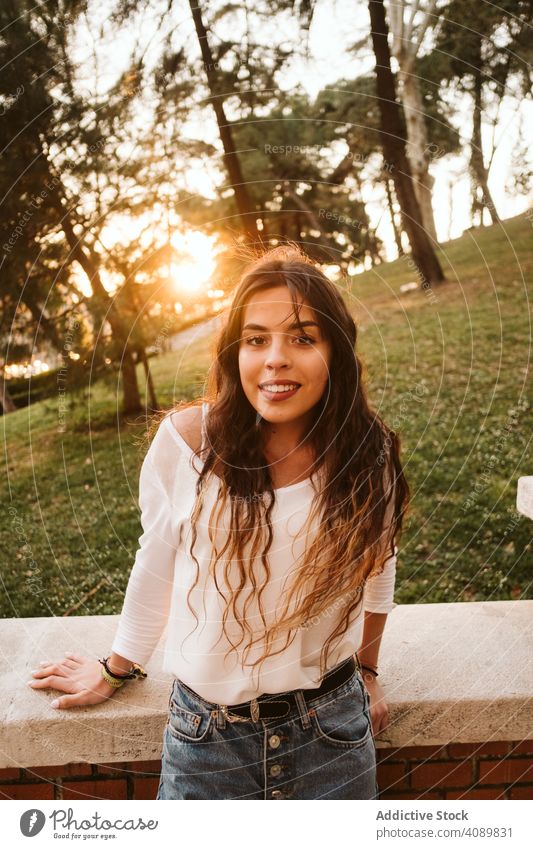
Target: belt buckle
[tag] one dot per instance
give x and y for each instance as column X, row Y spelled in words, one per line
column 233, row 717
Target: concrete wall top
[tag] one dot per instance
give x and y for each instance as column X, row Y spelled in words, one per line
column 451, row 672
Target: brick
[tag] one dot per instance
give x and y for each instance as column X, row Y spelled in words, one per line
column 9, row 773
column 149, row 767
column 461, row 750
column 117, row 765
column 109, row 788
column 145, row 788
column 117, row 769
column 507, row 771
column 481, row 793
column 387, row 756
column 409, row 795
column 415, row 752
column 521, row 792
column 392, row 775
column 525, row 747
column 448, row 774
column 27, row 791
column 59, row 771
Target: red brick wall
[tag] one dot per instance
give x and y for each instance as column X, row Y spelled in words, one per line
column 137, row 780
column 455, row 771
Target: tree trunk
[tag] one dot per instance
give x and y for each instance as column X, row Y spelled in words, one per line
column 152, row 398
column 130, row 385
column 369, row 243
column 417, row 147
column 397, row 233
column 393, row 141
column 409, row 24
column 480, row 174
column 231, row 160
column 6, row 402
column 131, row 395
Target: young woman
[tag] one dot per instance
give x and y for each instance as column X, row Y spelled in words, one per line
column 270, row 515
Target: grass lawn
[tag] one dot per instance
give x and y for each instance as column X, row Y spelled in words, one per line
column 447, row 369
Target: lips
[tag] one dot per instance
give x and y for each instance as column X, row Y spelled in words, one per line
column 277, row 394
column 291, row 383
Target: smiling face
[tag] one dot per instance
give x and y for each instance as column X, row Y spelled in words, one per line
column 283, row 366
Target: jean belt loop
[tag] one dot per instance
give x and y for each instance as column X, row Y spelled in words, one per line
column 221, row 719
column 302, row 708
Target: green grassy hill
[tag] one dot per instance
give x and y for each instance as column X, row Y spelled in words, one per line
column 448, row 369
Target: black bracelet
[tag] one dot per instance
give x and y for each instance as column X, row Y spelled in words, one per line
column 136, row 671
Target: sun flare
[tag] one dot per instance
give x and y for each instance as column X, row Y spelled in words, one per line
column 189, row 273
column 192, row 275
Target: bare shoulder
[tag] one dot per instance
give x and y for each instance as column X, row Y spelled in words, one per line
column 188, row 423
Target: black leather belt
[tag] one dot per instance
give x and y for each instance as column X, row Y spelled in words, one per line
column 276, row 706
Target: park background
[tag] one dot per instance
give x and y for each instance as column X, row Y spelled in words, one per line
column 148, row 147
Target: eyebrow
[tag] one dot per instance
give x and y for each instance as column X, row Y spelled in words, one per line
column 294, row 326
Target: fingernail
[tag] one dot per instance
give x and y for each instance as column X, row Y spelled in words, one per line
column 44, row 663
column 30, row 683
column 54, row 704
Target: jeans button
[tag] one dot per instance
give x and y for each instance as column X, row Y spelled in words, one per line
column 275, row 770
column 274, row 741
column 277, row 794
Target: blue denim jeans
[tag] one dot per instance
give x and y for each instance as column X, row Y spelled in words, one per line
column 323, row 750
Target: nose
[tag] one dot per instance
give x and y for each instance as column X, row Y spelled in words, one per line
column 277, row 356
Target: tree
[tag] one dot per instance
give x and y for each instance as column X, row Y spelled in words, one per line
column 350, row 109
column 302, row 195
column 488, row 51
column 65, row 174
column 47, row 120
column 231, row 158
column 409, row 23
column 394, row 147
column 239, row 70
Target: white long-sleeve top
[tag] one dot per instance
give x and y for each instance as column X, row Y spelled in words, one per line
column 164, row 571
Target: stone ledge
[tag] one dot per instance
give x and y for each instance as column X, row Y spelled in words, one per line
column 457, row 673
column 524, row 496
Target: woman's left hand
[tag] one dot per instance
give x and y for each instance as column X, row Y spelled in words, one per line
column 379, row 711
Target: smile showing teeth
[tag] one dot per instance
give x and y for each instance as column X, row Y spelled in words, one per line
column 280, row 387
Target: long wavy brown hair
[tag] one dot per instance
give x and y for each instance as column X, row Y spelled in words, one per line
column 360, row 502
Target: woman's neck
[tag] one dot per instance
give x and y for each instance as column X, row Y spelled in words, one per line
column 284, row 440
